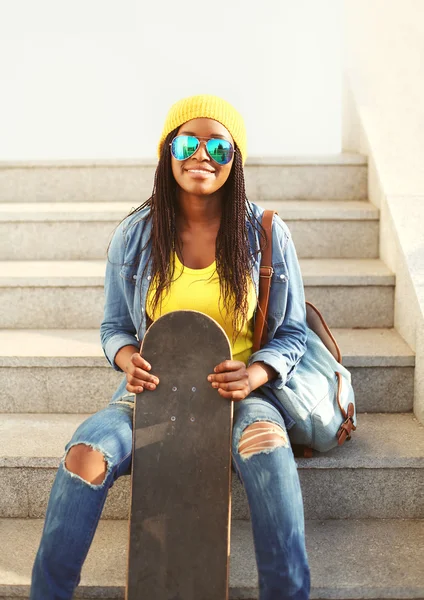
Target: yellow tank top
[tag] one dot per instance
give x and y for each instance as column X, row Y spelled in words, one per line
column 198, row 289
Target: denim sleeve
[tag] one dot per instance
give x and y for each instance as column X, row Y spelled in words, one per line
column 117, row 328
column 288, row 345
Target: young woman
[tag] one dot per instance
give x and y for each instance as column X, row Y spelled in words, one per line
column 197, row 230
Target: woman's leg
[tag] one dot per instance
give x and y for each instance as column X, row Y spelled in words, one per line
column 98, row 453
column 264, row 461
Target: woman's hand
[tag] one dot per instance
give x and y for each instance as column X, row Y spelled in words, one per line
column 231, row 379
column 138, row 376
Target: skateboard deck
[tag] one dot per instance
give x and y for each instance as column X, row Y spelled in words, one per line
column 181, row 467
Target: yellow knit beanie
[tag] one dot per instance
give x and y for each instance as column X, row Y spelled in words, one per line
column 209, row 106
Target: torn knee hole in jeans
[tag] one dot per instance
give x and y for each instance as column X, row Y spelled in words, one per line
column 262, row 437
column 127, row 400
column 95, row 448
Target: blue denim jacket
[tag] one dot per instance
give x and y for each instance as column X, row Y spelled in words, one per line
column 124, row 321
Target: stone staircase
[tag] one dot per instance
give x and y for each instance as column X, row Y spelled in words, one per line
column 363, row 502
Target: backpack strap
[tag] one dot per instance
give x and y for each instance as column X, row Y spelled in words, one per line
column 265, row 274
column 316, row 322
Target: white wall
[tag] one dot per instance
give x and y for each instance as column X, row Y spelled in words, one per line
column 384, row 118
column 384, row 60
column 95, row 78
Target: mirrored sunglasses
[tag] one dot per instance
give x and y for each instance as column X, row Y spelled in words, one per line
column 184, row 146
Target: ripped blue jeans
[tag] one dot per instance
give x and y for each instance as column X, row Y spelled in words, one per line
column 269, row 477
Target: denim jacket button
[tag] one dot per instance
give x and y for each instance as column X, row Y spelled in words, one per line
column 134, row 276
column 283, row 277
column 148, row 277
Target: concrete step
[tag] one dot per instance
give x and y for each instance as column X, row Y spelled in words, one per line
column 47, row 231
column 57, row 366
column 381, row 559
column 378, row 474
column 69, row 294
column 337, row 177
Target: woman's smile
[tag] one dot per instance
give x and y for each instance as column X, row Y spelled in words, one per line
column 200, row 173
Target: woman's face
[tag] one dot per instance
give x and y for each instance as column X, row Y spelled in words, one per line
column 212, row 176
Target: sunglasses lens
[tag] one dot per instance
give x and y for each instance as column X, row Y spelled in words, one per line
column 183, row 146
column 220, row 150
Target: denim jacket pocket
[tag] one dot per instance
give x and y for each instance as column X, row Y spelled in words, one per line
column 280, row 275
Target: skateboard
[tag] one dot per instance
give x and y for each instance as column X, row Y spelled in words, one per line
column 181, row 469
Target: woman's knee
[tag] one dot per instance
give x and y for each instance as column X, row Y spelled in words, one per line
column 261, row 437
column 101, row 445
column 86, row 462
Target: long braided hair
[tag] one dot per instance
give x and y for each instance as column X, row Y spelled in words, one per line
column 233, row 251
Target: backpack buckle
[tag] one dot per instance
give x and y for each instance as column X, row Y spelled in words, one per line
column 266, row 272
column 346, row 428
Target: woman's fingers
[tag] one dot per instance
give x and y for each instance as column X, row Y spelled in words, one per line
column 139, row 374
column 231, row 380
column 240, row 384
column 138, row 377
column 229, row 370
column 136, row 386
column 139, row 361
column 227, row 377
column 144, row 381
column 134, row 389
column 235, row 396
column 229, row 365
